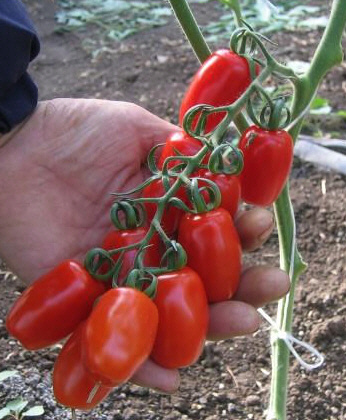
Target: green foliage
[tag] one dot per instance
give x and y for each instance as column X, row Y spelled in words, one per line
column 14, row 408
column 117, row 19
column 264, row 16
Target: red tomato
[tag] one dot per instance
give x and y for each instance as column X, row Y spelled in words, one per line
column 53, row 306
column 184, row 144
column 229, row 186
column 268, row 158
column 72, row 383
column 183, row 319
column 213, row 251
column 120, row 238
column 171, row 216
column 119, row 335
column 220, row 81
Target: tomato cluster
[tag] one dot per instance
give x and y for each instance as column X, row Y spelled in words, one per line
column 145, row 293
column 114, row 330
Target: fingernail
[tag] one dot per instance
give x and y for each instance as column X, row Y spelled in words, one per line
column 264, row 235
column 170, row 387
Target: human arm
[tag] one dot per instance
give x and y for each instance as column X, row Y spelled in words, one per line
column 18, row 46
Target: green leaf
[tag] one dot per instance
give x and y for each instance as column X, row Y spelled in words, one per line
column 17, row 405
column 320, row 106
column 7, row 374
column 342, row 113
column 319, row 102
column 4, row 412
column 38, row 410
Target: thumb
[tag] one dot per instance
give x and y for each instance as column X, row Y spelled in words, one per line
column 151, row 130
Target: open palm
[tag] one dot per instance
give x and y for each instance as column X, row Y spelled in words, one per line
column 58, row 172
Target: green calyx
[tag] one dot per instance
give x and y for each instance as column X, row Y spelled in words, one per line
column 274, row 115
column 126, row 214
column 142, row 280
column 196, row 195
column 174, row 258
column 226, row 159
column 97, row 258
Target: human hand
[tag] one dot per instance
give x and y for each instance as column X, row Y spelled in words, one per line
column 56, row 173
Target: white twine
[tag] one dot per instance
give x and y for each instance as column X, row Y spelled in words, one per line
column 288, row 338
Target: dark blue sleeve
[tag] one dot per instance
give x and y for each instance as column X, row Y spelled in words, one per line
column 18, row 46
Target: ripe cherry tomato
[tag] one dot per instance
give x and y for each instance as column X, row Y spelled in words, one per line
column 53, row 306
column 72, row 383
column 229, row 186
column 121, row 238
column 213, row 251
column 221, row 79
column 119, row 335
column 183, row 319
column 171, row 216
column 184, row 144
column 267, row 161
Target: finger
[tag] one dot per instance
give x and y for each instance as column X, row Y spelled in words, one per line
column 254, row 227
column 231, row 319
column 153, row 376
column 261, row 285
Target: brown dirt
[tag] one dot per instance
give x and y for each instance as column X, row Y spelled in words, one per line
column 231, row 380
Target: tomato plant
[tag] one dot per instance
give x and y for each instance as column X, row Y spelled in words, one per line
column 72, row 383
column 53, row 306
column 213, row 251
column 119, row 335
column 221, row 79
column 183, row 318
column 268, row 158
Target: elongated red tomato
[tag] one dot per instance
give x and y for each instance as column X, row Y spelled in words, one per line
column 171, row 216
column 183, row 319
column 53, row 306
column 72, row 383
column 268, row 158
column 119, row 335
column 181, row 142
column 221, row 79
column 121, row 238
column 229, row 186
column 213, row 251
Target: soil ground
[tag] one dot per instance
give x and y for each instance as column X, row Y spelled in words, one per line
column 231, row 380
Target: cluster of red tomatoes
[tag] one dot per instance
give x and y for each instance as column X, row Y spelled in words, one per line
column 114, row 330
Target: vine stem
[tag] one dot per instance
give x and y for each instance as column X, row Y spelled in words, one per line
column 327, row 55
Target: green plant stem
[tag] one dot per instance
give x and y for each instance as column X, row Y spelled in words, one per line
column 235, row 5
column 190, row 28
column 327, row 55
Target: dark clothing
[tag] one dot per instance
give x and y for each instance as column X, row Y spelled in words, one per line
column 18, row 46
